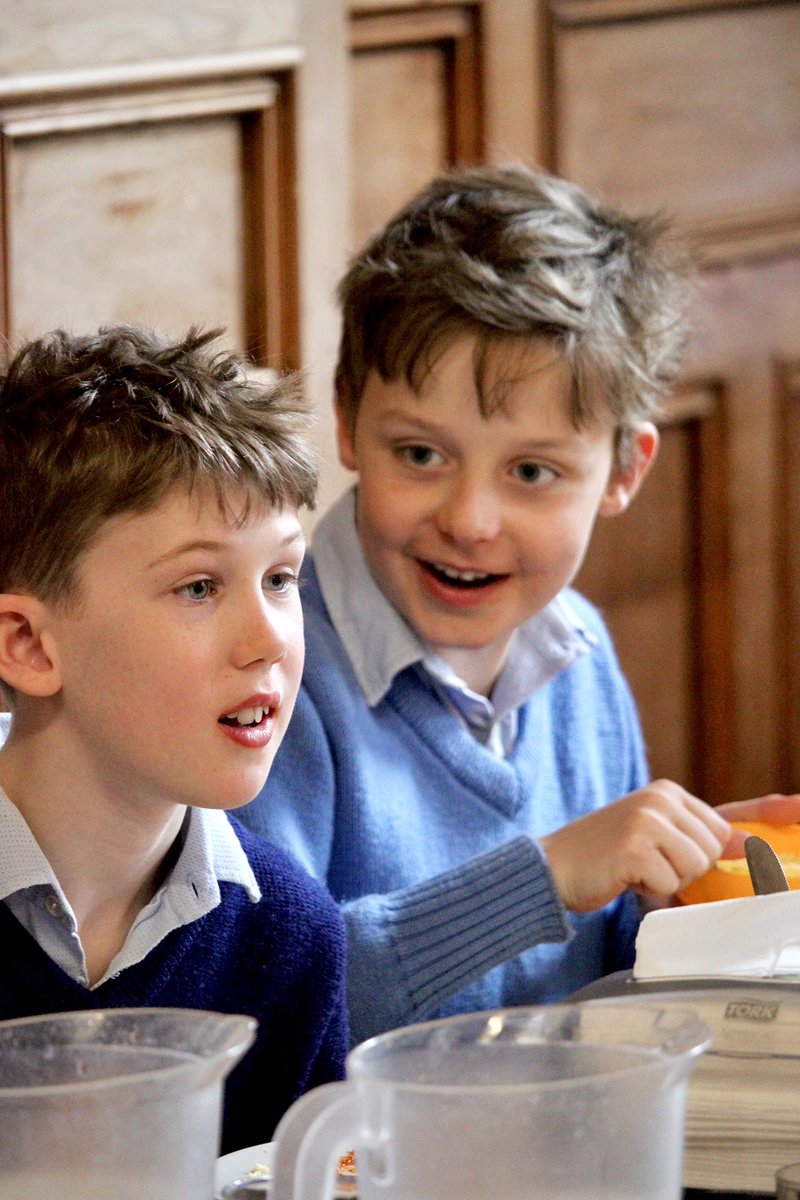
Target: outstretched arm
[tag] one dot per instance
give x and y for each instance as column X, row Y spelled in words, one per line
column 654, row 841
column 411, row 950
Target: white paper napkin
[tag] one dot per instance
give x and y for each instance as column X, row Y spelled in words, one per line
column 755, row 937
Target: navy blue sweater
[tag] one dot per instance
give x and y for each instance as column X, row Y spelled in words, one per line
column 281, row 961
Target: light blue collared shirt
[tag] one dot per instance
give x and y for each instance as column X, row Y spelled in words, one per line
column 210, row 854
column 380, row 644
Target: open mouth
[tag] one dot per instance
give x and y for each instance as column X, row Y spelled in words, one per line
column 245, row 717
column 468, row 580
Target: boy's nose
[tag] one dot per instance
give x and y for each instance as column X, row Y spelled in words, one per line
column 260, row 635
column 470, row 512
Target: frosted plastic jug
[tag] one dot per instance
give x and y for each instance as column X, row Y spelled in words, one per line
column 116, row 1104
column 549, row 1103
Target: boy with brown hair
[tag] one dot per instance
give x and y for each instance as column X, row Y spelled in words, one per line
column 151, row 647
column 465, row 766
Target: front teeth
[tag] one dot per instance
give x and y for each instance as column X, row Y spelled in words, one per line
column 466, row 576
column 246, row 716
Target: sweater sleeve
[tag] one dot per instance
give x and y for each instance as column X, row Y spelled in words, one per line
column 412, row 949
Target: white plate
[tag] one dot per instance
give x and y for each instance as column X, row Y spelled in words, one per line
column 241, row 1162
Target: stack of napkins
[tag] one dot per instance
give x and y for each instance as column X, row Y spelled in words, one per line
column 757, row 937
column 742, row 1110
column 743, row 1104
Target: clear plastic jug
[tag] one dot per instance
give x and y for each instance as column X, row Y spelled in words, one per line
column 549, row 1103
column 117, row 1104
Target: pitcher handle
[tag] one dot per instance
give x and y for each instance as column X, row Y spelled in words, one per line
column 311, row 1137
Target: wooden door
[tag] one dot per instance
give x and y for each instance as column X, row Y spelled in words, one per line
column 696, row 110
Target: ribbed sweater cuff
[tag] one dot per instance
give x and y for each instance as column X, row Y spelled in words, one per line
column 451, row 930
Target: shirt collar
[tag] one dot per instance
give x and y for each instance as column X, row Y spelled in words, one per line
column 213, row 851
column 380, row 644
column 22, row 862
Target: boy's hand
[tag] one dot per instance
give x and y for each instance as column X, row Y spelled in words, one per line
column 654, row 841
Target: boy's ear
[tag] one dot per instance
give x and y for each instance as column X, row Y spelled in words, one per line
column 344, row 436
column 26, row 662
column 625, row 481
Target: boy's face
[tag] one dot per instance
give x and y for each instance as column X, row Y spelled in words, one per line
column 470, row 525
column 183, row 621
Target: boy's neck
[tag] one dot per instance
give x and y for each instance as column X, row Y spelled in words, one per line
column 110, row 859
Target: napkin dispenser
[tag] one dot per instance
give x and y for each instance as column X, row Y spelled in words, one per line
column 757, row 937
column 742, row 1115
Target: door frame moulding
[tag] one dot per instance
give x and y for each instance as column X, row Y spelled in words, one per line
column 259, row 89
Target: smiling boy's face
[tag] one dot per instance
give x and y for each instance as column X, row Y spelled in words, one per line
column 180, row 664
column 473, row 524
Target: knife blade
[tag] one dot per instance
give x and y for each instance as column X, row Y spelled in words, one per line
column 764, row 866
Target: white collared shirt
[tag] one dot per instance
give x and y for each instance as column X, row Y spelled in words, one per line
column 380, row 644
column 210, row 854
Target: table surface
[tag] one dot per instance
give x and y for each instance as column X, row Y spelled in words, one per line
column 699, row 1194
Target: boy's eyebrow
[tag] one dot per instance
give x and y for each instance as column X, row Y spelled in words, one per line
column 406, row 418
column 211, row 546
column 530, row 446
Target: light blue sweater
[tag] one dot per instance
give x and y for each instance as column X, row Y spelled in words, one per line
column 427, row 839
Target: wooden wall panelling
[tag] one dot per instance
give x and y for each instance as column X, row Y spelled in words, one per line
column 748, row 318
column 270, row 247
column 663, row 585
column 695, row 109
column 152, row 192
column 49, row 35
column 687, row 581
column 417, row 107
column 788, row 572
column 517, row 87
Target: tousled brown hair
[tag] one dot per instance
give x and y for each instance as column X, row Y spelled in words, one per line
column 508, row 253
column 99, row 425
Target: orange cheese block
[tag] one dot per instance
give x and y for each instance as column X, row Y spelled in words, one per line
column 729, row 878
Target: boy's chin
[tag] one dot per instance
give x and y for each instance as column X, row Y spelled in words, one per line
column 228, row 800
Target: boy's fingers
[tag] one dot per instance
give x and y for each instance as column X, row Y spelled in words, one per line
column 775, row 809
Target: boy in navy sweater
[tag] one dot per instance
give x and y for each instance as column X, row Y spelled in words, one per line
column 465, row 767
column 151, row 647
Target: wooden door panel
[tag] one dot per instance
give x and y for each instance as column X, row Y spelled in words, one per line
column 748, row 322
column 155, row 234
column 659, row 574
column 47, row 35
column 695, row 112
column 400, row 137
column 416, row 101
column 140, row 196
column 699, row 580
column 788, row 567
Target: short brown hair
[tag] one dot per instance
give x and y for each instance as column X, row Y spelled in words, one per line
column 94, row 426
column 512, row 253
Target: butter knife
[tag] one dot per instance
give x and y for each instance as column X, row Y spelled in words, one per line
column 765, row 867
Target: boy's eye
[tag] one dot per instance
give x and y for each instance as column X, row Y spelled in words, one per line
column 198, row 589
column 420, row 456
column 281, row 581
column 531, row 472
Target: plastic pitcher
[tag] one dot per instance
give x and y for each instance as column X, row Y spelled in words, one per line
column 118, row 1104
column 547, row 1103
